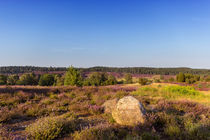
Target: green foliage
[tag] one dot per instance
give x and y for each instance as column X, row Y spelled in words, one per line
column 172, row 130
column 27, row 79
column 188, row 78
column 59, row 80
column 46, row 80
column 128, row 78
column 148, row 136
column 97, row 79
column 3, row 79
column 207, row 79
column 73, row 77
column 121, row 94
column 111, row 80
column 182, row 90
column 143, row 81
column 133, row 70
column 12, row 79
column 162, row 77
column 171, row 79
column 180, row 77
column 100, row 79
column 49, row 128
column 157, row 80
column 96, row 133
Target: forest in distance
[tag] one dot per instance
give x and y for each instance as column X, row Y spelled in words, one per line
column 132, row 70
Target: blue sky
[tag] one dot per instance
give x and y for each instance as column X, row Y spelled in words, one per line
column 85, row 33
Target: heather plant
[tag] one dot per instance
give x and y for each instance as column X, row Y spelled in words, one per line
column 172, row 112
column 121, row 94
column 8, row 115
column 95, row 109
column 50, row 128
column 100, row 132
column 172, row 130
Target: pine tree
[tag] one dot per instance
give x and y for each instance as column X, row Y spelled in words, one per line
column 73, row 77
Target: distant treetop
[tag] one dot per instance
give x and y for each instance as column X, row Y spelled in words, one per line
column 132, row 70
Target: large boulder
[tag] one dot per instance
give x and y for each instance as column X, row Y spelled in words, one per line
column 109, row 105
column 129, row 111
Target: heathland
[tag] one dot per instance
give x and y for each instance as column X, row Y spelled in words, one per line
column 68, row 104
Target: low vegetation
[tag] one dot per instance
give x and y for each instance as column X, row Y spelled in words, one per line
column 173, row 112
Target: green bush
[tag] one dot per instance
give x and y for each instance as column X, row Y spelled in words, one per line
column 188, row 78
column 50, row 128
column 12, row 79
column 172, row 130
column 27, row 79
column 143, row 81
column 128, row 78
column 3, row 80
column 100, row 79
column 46, row 80
column 58, row 80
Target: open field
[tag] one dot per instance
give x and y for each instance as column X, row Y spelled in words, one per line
column 34, row 112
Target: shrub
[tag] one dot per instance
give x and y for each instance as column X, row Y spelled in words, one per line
column 143, row 81
column 12, row 79
column 58, row 80
column 128, row 78
column 111, row 80
column 46, row 80
column 50, row 128
column 121, row 94
column 162, row 77
column 188, row 78
column 172, row 130
column 96, row 133
column 157, row 80
column 171, row 79
column 27, row 79
column 3, row 80
column 148, row 136
column 100, row 79
column 95, row 109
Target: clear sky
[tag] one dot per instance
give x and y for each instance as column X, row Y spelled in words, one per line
column 85, row 33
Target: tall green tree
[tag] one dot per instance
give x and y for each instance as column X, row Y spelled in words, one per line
column 73, row 77
column 180, row 77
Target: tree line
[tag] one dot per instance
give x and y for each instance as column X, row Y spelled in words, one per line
column 72, row 77
column 132, row 70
